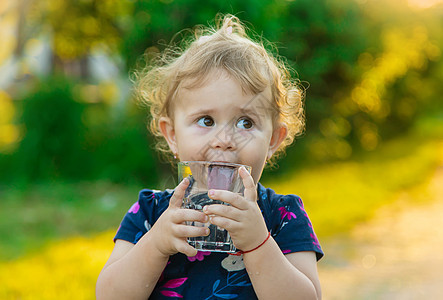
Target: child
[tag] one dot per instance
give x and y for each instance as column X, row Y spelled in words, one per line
column 224, row 98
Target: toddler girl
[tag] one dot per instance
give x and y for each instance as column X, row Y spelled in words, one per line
column 224, row 98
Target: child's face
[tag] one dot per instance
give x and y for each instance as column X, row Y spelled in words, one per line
column 219, row 122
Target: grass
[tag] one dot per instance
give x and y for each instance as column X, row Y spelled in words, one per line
column 32, row 216
column 337, row 196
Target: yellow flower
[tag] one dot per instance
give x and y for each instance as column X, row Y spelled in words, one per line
column 64, row 270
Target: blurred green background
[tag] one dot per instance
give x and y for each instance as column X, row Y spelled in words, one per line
column 75, row 151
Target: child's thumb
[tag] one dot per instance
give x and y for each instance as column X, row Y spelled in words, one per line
column 179, row 193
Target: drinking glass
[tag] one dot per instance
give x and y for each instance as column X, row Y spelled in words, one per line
column 203, row 176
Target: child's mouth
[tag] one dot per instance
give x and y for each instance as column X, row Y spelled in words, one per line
column 220, row 176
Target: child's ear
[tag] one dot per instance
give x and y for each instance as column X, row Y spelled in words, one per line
column 278, row 136
column 166, row 126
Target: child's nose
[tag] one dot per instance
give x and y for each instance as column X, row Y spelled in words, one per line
column 224, row 140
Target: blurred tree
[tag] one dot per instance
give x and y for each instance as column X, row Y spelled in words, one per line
column 365, row 64
column 156, row 23
column 119, row 148
column 9, row 133
column 66, row 138
column 322, row 43
column 76, row 28
column 53, row 128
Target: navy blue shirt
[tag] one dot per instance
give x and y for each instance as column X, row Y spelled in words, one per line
column 215, row 275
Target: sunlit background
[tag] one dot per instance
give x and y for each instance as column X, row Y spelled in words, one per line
column 74, row 149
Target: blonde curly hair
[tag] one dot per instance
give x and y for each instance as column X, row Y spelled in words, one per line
column 227, row 47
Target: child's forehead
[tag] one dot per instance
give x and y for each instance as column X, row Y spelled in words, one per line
column 215, row 76
column 221, row 79
column 224, row 88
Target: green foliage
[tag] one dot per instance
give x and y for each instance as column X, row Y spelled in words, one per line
column 52, row 123
column 67, row 138
column 91, row 23
column 120, row 147
column 156, row 23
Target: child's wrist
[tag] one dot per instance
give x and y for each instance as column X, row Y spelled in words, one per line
column 157, row 247
column 240, row 252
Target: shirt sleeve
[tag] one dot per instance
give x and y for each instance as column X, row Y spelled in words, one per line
column 292, row 229
column 140, row 217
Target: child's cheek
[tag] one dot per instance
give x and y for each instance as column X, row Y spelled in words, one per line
column 199, row 131
column 246, row 135
column 196, row 129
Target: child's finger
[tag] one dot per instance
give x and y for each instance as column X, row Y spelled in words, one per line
column 185, row 231
column 186, row 249
column 179, row 193
column 225, row 223
column 250, row 188
column 222, row 210
column 183, row 215
column 235, row 200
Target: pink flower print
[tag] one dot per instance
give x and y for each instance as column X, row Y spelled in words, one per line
column 171, row 284
column 134, row 208
column 302, row 207
column 314, row 237
column 286, row 251
column 315, row 242
column 286, row 214
column 301, row 203
column 171, row 294
column 199, row 256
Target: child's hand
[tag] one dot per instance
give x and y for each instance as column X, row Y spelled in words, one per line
column 243, row 219
column 170, row 231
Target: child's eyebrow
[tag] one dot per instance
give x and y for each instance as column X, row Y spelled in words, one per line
column 256, row 113
column 201, row 112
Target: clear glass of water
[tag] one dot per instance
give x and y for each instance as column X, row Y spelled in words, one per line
column 203, row 176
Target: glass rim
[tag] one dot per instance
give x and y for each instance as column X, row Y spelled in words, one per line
column 217, row 163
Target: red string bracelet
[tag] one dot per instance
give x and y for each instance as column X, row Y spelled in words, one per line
column 238, row 253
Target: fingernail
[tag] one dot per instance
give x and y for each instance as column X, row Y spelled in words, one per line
column 243, row 169
column 211, row 192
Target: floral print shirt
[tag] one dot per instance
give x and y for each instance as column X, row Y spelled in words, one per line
column 215, row 275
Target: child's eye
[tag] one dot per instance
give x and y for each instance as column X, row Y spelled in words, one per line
column 205, row 121
column 245, row 123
